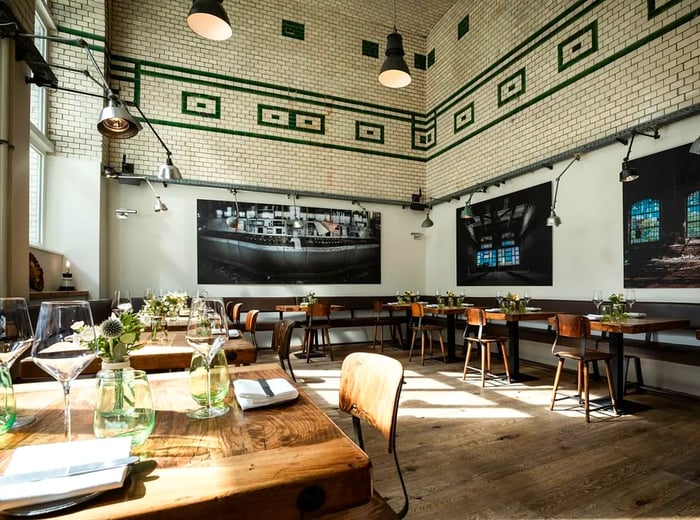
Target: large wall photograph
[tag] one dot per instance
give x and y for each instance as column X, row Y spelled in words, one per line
column 244, row 243
column 507, row 242
column 661, row 214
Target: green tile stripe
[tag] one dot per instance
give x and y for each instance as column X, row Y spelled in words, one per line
column 419, row 61
column 186, row 96
column 591, row 28
column 516, row 87
column 359, row 134
column 586, row 72
column 80, row 34
column 653, row 7
column 463, row 27
column 329, row 146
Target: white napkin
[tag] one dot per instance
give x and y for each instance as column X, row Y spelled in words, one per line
column 532, row 309
column 493, row 309
column 636, row 314
column 594, row 317
column 251, row 394
column 234, row 333
column 41, row 457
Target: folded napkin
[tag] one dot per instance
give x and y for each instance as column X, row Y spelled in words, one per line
column 493, row 309
column 636, row 314
column 254, row 393
column 533, row 309
column 234, row 333
column 467, row 305
column 41, row 457
column 594, row 317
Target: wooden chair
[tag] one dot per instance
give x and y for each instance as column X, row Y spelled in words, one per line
column 281, row 339
column 251, row 323
column 233, row 311
column 425, row 330
column 579, row 328
column 370, row 386
column 477, row 318
column 318, row 320
column 382, row 320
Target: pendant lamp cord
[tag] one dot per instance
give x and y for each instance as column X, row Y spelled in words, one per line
column 394, row 15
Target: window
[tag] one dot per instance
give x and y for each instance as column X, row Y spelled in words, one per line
column 644, row 221
column 692, row 215
column 36, row 196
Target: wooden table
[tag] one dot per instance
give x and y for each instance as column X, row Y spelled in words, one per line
column 302, row 308
column 513, row 320
column 451, row 312
column 172, row 354
column 617, row 346
column 262, row 463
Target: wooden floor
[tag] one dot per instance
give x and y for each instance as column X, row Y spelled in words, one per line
column 499, row 452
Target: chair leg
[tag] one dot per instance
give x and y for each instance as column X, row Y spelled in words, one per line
column 504, row 352
column 410, row 350
column 483, row 364
column 466, row 360
column 557, row 377
column 422, row 348
column 326, row 337
column 586, row 388
column 374, row 340
column 608, row 375
column 307, row 345
column 442, row 348
column 579, row 380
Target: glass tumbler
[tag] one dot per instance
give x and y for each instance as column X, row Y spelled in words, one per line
column 220, row 379
column 8, row 410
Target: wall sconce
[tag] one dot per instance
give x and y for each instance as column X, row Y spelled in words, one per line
column 394, row 72
column 467, row 214
column 416, row 235
column 208, row 19
column 427, row 222
column 159, row 204
column 123, row 213
column 234, row 221
column 553, row 219
column 629, row 174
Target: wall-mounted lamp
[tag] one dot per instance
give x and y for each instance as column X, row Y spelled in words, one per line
column 427, row 222
column 394, row 72
column 296, row 223
column 159, row 204
column 695, row 147
column 553, row 219
column 167, row 171
column 234, row 221
column 467, row 214
column 357, row 203
column 629, row 174
column 208, row 19
column 123, row 213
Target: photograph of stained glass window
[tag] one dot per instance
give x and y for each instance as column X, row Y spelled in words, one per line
column 507, row 241
column 661, row 212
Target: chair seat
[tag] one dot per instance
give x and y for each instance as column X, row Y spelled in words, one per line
column 498, row 339
column 427, row 327
column 590, row 355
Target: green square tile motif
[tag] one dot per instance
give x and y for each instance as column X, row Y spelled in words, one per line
column 463, row 118
column 419, row 61
column 369, row 132
column 293, row 29
column 511, row 87
column 463, row 27
column 655, row 7
column 291, row 119
column 423, row 138
column 202, row 105
column 370, row 49
column 577, row 46
column 431, row 58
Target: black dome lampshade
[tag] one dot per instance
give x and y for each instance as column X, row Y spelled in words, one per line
column 394, row 72
column 208, row 19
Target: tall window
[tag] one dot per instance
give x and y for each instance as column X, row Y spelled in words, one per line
column 692, row 215
column 644, row 221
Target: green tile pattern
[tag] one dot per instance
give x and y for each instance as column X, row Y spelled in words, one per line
column 291, row 119
column 419, row 61
column 370, row 49
column 431, row 58
column 423, row 135
column 511, row 87
column 655, row 7
column 369, row 132
column 578, row 46
column 203, row 105
column 464, row 118
column 463, row 27
column 293, row 29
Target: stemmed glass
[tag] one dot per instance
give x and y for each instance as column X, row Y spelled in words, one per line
column 63, row 331
column 526, row 297
column 500, row 297
column 121, row 302
column 16, row 336
column 630, row 298
column 206, row 334
column 597, row 300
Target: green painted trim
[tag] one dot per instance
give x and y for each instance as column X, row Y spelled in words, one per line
column 653, row 10
column 590, row 70
column 216, row 99
column 137, row 84
column 419, row 61
column 293, row 29
column 329, row 146
column 122, row 68
column 507, row 97
column 462, row 27
column 292, row 120
column 461, row 125
column 370, row 49
column 359, row 137
column 431, row 58
column 593, row 29
column 123, row 79
column 81, row 34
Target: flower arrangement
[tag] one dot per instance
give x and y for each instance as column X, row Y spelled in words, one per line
column 115, row 337
column 617, row 299
column 450, row 294
column 512, row 297
column 169, row 305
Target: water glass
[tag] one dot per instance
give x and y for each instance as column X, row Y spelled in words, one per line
column 121, row 302
column 8, row 411
column 218, row 384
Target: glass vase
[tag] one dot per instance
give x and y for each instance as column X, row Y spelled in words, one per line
column 159, row 331
column 124, row 404
column 219, row 379
column 8, row 409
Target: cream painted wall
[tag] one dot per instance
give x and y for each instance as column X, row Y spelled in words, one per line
column 159, row 249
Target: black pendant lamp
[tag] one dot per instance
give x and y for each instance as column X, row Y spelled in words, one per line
column 394, row 72
column 208, row 19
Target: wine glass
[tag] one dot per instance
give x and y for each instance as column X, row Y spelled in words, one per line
column 16, row 336
column 630, row 298
column 500, row 297
column 61, row 345
column 526, row 297
column 206, row 334
column 121, row 302
column 597, row 300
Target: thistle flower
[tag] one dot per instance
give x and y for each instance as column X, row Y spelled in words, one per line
column 112, row 327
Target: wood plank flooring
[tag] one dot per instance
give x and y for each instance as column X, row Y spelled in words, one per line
column 500, row 453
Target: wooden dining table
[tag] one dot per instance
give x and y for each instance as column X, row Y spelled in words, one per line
column 450, row 312
column 283, row 462
column 173, row 353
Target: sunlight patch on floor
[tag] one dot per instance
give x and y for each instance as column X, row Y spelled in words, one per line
column 448, row 397
column 493, row 412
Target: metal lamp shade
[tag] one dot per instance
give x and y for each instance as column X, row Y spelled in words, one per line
column 628, row 174
column 116, row 122
column 467, row 213
column 553, row 219
column 427, row 222
column 208, row 19
column 695, row 147
column 394, row 72
column 169, row 172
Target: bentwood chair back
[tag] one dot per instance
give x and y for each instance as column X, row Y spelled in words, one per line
column 281, row 340
column 426, row 331
column 370, row 387
column 476, row 319
column 233, row 311
column 251, row 323
column 318, row 321
column 576, row 327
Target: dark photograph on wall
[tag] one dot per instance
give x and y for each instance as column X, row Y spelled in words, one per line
column 661, row 215
column 506, row 240
column 249, row 243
